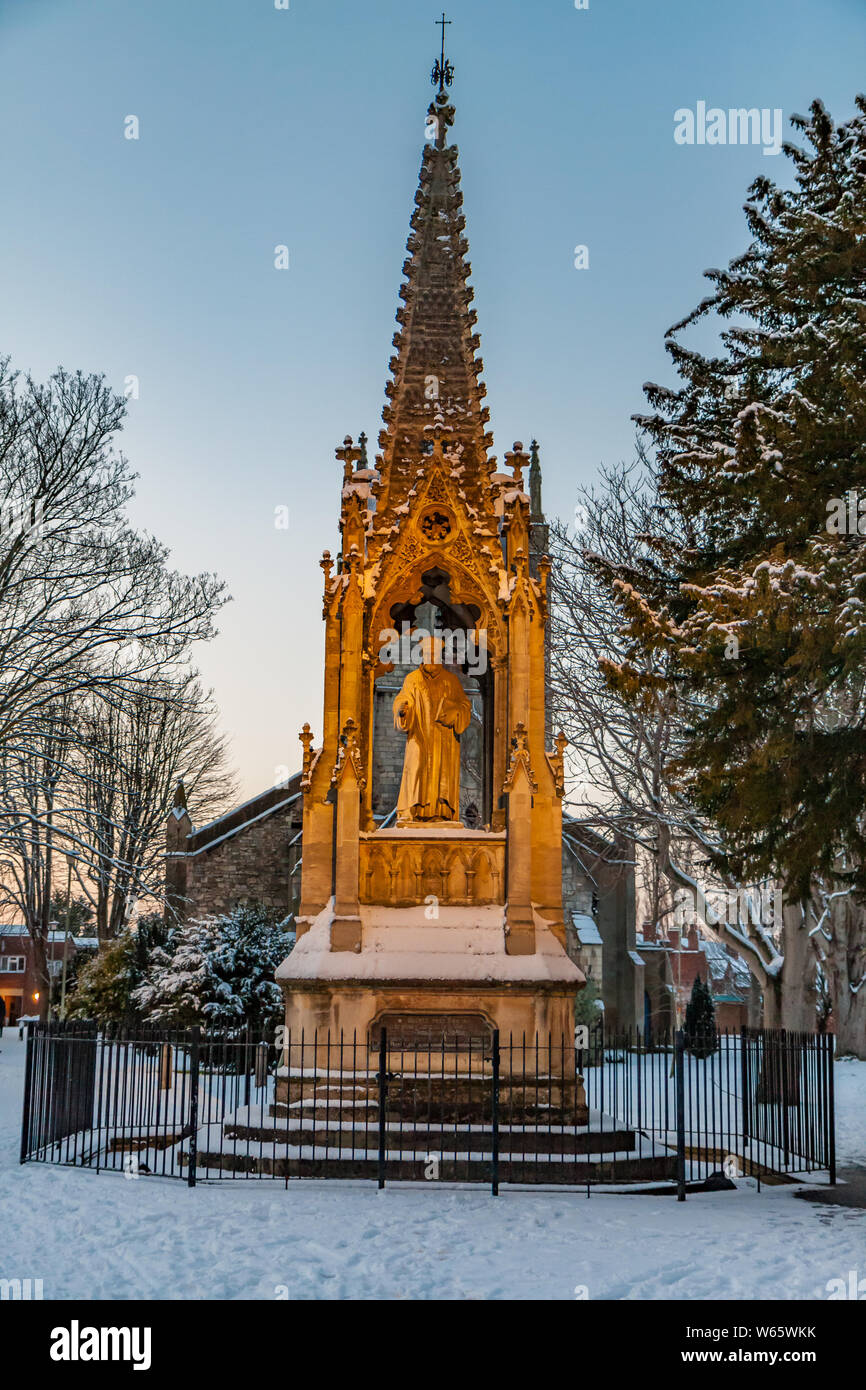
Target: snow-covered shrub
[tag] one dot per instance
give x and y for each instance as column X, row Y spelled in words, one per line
column 103, row 987
column 217, row 972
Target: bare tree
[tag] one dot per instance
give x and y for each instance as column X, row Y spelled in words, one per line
column 86, row 602
column 132, row 752
column 621, row 750
column 32, row 780
column 97, row 705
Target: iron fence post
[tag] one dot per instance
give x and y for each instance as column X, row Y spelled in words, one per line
column 494, row 1117
column 785, row 1089
column 193, row 1104
column 383, row 1097
column 744, row 1088
column 829, row 1040
column 680, row 1073
column 263, row 1066
column 28, row 1079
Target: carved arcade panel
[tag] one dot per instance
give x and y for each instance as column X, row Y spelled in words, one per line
column 405, row 870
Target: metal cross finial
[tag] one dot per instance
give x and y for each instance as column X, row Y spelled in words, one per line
column 443, row 71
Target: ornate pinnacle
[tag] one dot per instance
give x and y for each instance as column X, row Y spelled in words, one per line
column 348, row 454
column 544, row 574
column 306, row 738
column 519, row 758
column 516, row 458
column 535, row 508
column 443, row 71
column 349, row 755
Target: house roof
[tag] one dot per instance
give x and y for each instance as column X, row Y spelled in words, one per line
column 258, row 808
column 727, row 975
column 17, row 930
column 587, row 929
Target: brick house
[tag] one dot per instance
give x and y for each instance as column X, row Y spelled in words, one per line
column 251, row 854
column 672, row 963
column 598, row 897
column 20, row 988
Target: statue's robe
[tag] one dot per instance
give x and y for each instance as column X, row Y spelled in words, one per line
column 433, row 710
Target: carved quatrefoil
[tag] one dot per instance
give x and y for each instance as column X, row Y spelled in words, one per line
column 435, row 526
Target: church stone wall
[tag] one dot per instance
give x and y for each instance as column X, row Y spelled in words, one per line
column 253, row 864
column 389, row 744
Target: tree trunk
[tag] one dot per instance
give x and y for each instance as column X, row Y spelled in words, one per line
column 772, row 1012
column 40, row 962
column 846, row 968
column 797, row 996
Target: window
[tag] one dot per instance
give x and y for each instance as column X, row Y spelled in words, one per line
column 11, row 965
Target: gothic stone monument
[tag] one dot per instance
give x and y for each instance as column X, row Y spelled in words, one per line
column 432, row 919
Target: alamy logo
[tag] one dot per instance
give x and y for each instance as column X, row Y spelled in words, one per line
column 21, row 518
column 846, row 516
column 732, row 906
column 851, row 1288
column 77, row 1343
column 737, row 126
column 415, row 646
column 17, row 1290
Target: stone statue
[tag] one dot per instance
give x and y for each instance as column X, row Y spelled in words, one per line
column 433, row 710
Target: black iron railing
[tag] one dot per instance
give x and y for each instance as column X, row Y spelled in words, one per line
column 485, row 1108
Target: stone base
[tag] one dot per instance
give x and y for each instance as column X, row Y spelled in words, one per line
column 337, row 1023
column 438, row 988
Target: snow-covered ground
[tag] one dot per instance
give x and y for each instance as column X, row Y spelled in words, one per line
column 105, row 1236
column 850, row 1084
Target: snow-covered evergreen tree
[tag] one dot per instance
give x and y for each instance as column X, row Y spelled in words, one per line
column 104, row 986
column 699, row 1028
column 764, row 609
column 217, row 972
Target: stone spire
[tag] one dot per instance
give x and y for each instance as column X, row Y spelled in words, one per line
column 435, row 389
column 539, row 531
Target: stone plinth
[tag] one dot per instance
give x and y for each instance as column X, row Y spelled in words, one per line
column 452, row 966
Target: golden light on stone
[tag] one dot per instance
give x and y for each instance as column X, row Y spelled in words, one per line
column 433, row 525
column 433, row 711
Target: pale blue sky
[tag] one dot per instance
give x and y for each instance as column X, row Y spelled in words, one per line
column 261, row 126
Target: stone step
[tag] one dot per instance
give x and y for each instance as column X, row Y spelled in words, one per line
column 436, row 1099
column 414, row 1167
column 431, row 1139
column 443, row 1111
